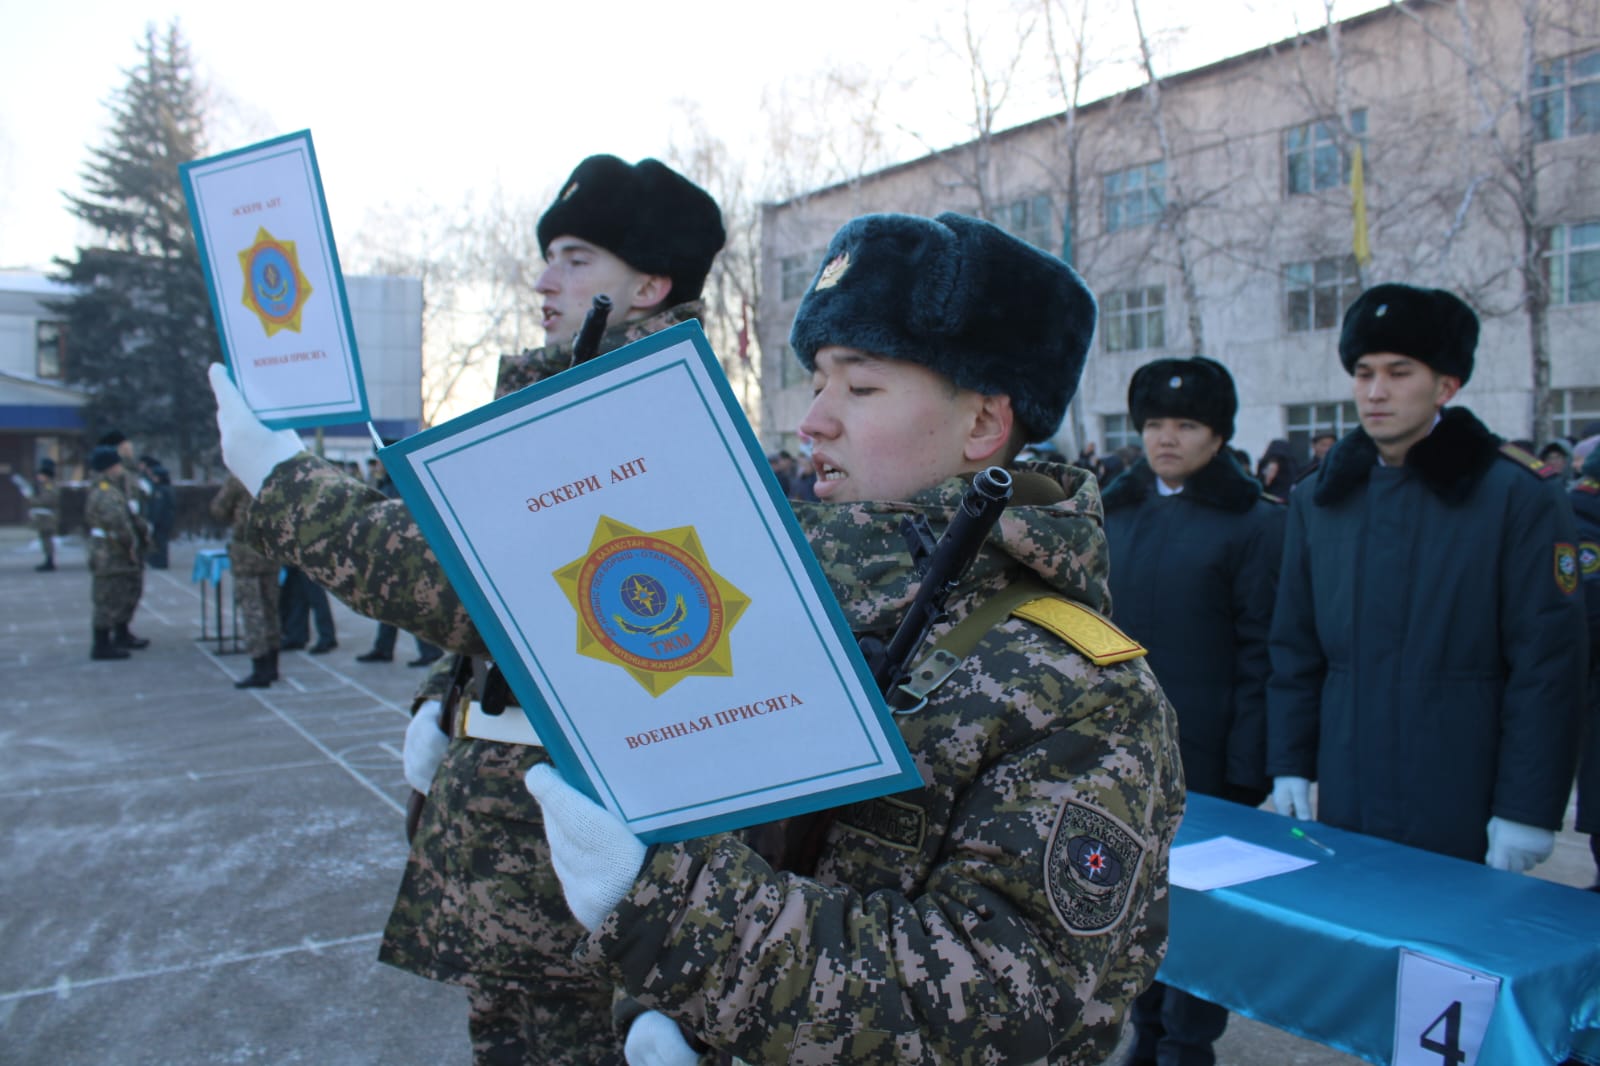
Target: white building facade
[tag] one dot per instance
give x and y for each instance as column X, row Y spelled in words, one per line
column 1217, row 216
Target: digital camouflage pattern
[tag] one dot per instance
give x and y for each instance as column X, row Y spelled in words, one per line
column 519, row 371
column 113, row 553
column 44, row 506
column 255, row 577
column 479, row 905
column 1011, row 909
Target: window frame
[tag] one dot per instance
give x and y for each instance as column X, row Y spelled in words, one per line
column 1318, row 143
column 1558, row 261
column 1555, row 87
column 1312, row 274
column 1128, row 204
column 58, row 341
column 1121, row 320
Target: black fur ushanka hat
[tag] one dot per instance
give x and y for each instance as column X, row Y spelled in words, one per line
column 1432, row 326
column 961, row 297
column 1199, row 388
column 646, row 214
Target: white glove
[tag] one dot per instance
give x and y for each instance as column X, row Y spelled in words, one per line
column 249, row 449
column 656, row 1040
column 425, row 745
column 22, row 486
column 1517, row 847
column 593, row 853
column 1292, row 796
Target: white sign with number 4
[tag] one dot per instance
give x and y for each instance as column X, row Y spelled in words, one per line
column 1441, row 1012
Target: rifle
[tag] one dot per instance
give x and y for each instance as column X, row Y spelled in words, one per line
column 586, row 345
column 941, row 566
column 460, row 675
column 794, row 844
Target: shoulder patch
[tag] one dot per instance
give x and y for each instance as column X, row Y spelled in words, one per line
column 1100, row 642
column 1589, row 558
column 1566, row 567
column 1528, row 461
column 1090, row 867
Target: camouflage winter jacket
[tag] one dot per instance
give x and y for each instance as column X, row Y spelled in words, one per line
column 113, row 540
column 230, row 506
column 1007, row 912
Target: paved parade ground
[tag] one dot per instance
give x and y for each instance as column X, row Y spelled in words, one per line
column 195, row 874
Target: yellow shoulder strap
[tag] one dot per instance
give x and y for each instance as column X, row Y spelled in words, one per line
column 1092, row 634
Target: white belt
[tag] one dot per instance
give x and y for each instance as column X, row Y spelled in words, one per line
column 510, row 726
column 40, row 512
column 97, row 532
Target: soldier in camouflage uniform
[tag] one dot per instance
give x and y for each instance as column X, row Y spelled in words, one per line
column 113, row 554
column 479, row 905
column 255, row 587
column 44, row 504
column 136, row 490
column 1012, row 908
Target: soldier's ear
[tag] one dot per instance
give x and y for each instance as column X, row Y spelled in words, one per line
column 648, row 292
column 991, row 429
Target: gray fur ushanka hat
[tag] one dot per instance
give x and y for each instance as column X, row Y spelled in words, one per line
column 1432, row 326
column 961, row 297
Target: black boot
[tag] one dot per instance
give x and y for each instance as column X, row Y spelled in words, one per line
column 125, row 639
column 272, row 663
column 259, row 675
column 104, row 649
column 48, row 564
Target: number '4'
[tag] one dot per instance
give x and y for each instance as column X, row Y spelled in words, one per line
column 1450, row 1048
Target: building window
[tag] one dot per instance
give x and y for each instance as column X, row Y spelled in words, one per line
column 1312, row 157
column 1030, row 219
column 1134, row 320
column 1303, row 421
column 1136, row 196
column 50, row 346
column 1566, row 97
column 1572, row 409
column 790, row 372
column 1317, row 293
column 795, row 273
column 1118, row 432
column 1572, row 264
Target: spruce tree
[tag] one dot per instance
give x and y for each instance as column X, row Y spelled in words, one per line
column 139, row 329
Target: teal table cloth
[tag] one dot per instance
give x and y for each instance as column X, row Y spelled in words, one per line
column 1316, row 951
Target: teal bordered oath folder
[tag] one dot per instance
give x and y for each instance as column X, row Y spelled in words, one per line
column 266, row 248
column 628, row 558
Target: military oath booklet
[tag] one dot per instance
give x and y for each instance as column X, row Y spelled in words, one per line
column 266, row 248
column 638, row 575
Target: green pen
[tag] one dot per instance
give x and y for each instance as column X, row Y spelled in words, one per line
column 1301, row 834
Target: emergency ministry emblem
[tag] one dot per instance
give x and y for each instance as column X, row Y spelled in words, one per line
column 1090, row 868
column 1589, row 558
column 274, row 287
column 651, row 604
column 1566, row 568
column 833, row 271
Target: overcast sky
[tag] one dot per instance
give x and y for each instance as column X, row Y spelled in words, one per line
column 408, row 108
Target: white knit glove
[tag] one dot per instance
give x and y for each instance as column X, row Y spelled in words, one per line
column 1517, row 847
column 655, row 1040
column 425, row 746
column 1292, row 796
column 593, row 853
column 249, row 449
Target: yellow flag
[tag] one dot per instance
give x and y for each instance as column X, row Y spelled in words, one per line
column 1358, row 208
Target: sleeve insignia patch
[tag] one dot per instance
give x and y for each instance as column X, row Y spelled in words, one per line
column 895, row 822
column 1566, row 568
column 1589, row 558
column 1090, row 868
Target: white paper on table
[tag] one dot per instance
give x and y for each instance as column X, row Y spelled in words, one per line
column 1223, row 861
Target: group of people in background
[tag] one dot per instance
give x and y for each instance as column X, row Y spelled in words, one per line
column 1402, row 624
